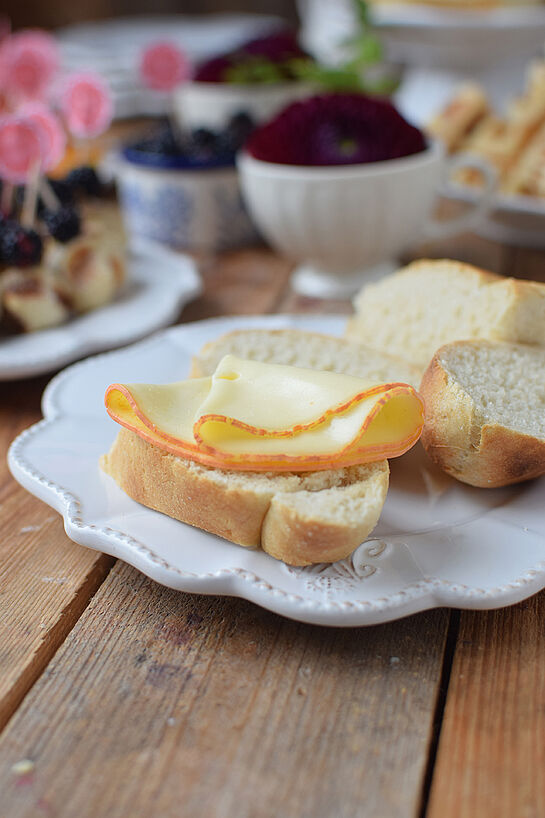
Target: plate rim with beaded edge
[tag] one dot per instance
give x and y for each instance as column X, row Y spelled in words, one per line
column 158, row 277
column 438, row 543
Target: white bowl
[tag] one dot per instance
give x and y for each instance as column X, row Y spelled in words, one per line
column 212, row 104
column 339, row 223
column 197, row 209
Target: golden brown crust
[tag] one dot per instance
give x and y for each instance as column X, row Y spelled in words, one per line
column 469, row 449
column 171, row 485
column 294, row 538
column 258, row 511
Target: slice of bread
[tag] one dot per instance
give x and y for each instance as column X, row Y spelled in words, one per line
column 413, row 312
column 485, row 412
column 299, row 518
column 306, row 349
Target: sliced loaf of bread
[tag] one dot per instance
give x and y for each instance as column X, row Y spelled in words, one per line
column 485, row 411
column 306, row 349
column 413, row 312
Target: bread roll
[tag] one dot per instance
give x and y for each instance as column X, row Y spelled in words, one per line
column 485, row 412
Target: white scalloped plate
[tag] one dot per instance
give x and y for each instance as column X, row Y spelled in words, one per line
column 438, row 543
column 159, row 283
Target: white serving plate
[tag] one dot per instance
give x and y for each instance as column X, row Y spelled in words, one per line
column 159, row 282
column 438, row 543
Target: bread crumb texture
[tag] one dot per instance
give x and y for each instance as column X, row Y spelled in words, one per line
column 506, row 383
column 310, row 350
column 485, row 411
column 430, row 303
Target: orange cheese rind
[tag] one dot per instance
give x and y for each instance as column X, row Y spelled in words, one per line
column 124, row 408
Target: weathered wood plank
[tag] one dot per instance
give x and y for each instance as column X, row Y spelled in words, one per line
column 244, row 282
column 161, row 703
column 491, row 757
column 19, row 407
column 45, row 580
column 529, row 263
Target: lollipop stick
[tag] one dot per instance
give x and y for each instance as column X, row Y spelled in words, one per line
column 51, row 200
column 31, row 196
column 83, row 151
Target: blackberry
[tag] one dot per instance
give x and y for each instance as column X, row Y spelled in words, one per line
column 63, row 224
column 238, row 129
column 19, row 245
column 203, row 140
column 84, row 181
column 62, row 190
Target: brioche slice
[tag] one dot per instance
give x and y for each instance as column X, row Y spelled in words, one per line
column 310, row 350
column 299, row 518
column 413, row 312
column 485, row 412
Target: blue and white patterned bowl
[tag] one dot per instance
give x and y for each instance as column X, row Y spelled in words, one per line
column 197, row 208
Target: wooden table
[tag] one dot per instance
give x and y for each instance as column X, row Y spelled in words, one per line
column 124, row 699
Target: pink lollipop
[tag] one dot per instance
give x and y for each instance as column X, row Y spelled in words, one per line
column 163, row 66
column 87, row 105
column 52, row 135
column 29, row 61
column 20, row 148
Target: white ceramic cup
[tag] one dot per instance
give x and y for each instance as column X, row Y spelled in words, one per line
column 212, row 104
column 340, row 223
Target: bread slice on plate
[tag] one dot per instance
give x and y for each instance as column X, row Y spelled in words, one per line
column 413, row 312
column 301, row 518
column 305, row 518
column 485, row 412
column 294, row 347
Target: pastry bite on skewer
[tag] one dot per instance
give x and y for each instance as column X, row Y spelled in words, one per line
column 72, row 262
column 30, row 301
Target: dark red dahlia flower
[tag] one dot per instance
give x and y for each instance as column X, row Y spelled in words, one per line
column 251, row 60
column 336, row 129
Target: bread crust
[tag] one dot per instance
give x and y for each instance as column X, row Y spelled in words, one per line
column 296, row 539
column 255, row 510
column 456, row 438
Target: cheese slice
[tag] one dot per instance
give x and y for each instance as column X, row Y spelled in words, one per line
column 255, row 416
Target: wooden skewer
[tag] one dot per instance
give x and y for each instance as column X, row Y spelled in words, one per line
column 31, row 196
column 51, row 200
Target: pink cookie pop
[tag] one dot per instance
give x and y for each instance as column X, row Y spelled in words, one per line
column 21, row 151
column 163, row 66
column 53, row 140
column 87, row 105
column 29, row 60
column 52, row 134
column 20, row 148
